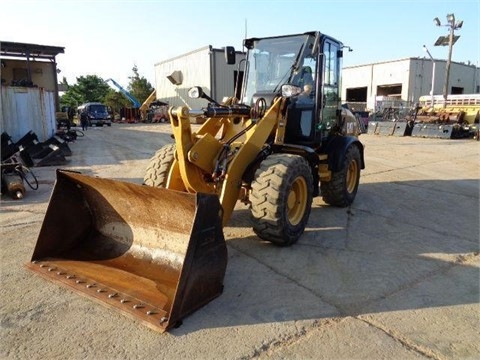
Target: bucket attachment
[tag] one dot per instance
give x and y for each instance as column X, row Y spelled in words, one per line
column 155, row 254
column 61, row 143
column 50, row 155
column 402, row 128
column 427, row 130
column 385, row 128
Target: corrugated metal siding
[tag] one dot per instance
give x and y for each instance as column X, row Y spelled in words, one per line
column 416, row 80
column 23, row 109
column 195, row 67
column 224, row 75
column 205, row 67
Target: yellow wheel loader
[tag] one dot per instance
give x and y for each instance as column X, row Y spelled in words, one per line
column 157, row 251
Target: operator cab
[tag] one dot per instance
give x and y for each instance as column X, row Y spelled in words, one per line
column 304, row 68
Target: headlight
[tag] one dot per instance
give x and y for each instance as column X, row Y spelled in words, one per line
column 195, row 92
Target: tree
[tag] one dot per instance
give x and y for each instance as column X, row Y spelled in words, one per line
column 68, row 99
column 116, row 100
column 90, row 88
column 139, row 86
column 93, row 88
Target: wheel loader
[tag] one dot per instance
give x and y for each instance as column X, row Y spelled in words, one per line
column 157, row 251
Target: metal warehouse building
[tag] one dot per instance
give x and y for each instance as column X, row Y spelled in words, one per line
column 364, row 87
column 405, row 80
column 205, row 67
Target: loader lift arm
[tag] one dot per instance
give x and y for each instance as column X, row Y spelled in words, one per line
column 239, row 151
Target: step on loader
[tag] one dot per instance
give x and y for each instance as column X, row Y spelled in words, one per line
column 157, row 251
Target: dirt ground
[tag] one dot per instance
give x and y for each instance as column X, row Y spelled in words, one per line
column 395, row 276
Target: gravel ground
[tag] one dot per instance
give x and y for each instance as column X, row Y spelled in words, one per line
column 395, row 276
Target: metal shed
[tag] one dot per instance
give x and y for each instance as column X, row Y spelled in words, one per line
column 205, row 67
column 29, row 89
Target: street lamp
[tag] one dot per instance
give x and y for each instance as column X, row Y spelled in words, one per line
column 433, row 74
column 448, row 40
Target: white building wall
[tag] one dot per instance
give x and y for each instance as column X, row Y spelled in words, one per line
column 205, row 67
column 466, row 76
column 196, row 71
column 413, row 74
column 428, row 76
column 224, row 74
column 356, row 77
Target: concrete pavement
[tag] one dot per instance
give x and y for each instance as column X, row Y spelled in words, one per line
column 395, row 276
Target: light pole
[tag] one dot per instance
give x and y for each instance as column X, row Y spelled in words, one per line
column 448, row 40
column 433, row 74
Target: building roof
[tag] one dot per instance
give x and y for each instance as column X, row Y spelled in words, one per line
column 406, row 59
column 23, row 50
column 207, row 47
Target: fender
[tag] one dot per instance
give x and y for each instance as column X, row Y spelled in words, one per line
column 336, row 148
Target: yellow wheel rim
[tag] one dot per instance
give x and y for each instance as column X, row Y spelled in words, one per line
column 297, row 200
column 352, row 172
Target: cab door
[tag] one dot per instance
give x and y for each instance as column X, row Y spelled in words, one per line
column 330, row 58
column 301, row 122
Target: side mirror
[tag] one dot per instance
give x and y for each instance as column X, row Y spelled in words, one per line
column 230, row 55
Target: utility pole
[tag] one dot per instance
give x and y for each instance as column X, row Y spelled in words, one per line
column 433, row 75
column 448, row 40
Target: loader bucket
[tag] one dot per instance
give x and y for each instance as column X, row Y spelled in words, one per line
column 155, row 254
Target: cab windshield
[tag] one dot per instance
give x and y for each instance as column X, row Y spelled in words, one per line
column 272, row 62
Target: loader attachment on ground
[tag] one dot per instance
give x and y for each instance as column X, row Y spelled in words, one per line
column 155, row 254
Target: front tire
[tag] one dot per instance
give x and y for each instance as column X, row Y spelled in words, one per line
column 342, row 188
column 158, row 169
column 281, row 198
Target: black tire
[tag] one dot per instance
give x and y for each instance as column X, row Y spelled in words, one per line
column 342, row 188
column 157, row 171
column 281, row 198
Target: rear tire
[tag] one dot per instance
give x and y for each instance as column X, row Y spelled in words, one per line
column 281, row 198
column 158, row 169
column 342, row 188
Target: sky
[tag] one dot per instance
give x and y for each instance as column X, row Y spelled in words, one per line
column 108, row 38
